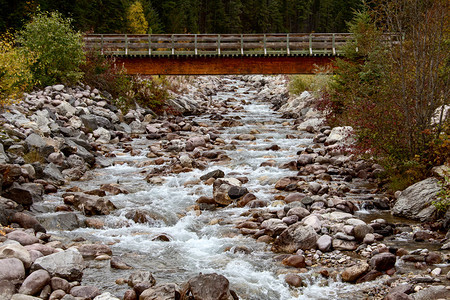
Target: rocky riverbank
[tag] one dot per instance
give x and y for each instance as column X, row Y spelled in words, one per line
column 313, row 219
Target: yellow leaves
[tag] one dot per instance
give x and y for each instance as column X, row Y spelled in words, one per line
column 15, row 74
column 136, row 19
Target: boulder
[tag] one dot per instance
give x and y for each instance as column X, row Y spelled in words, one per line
column 11, row 269
column 324, row 243
column 383, row 261
column 297, row 261
column 398, row 296
column 296, row 236
column 60, row 221
column 213, row 174
column 67, row 264
column 360, row 231
column 140, row 277
column 298, row 211
column 293, row 280
column 16, row 250
column 273, row 227
column 352, row 273
column 22, row 237
column 208, row 287
column 415, row 202
column 58, row 283
column 85, row 292
column 27, row 221
column 432, row 293
column 106, row 296
column 23, row 194
column 166, row 291
column 35, row 282
column 89, row 204
column 7, row 289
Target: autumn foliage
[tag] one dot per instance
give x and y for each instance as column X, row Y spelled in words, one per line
column 393, row 89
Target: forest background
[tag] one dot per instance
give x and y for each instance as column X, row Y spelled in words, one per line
column 191, row 16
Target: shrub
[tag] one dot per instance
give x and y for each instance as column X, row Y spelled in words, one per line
column 58, row 48
column 15, row 74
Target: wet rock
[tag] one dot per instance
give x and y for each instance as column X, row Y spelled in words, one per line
column 208, row 286
column 383, row 261
column 370, row 276
column 293, row 280
column 138, row 216
column 67, row 264
column 296, row 261
column 85, row 292
column 351, row 274
column 89, row 251
column 117, row 263
column 130, row 295
column 90, row 205
column 161, row 292
column 236, row 192
column 415, row 201
column 22, row 195
column 15, row 250
column 35, row 282
column 220, row 191
column 139, row 277
column 422, row 235
column 246, row 199
column 433, row 258
column 296, row 236
column 22, row 237
column 113, row 189
column 283, row 183
column 324, row 243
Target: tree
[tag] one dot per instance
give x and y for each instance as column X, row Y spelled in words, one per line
column 136, row 18
column 57, row 47
column 393, row 89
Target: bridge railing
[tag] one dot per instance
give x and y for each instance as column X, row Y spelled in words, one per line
column 220, row 44
column 215, row 44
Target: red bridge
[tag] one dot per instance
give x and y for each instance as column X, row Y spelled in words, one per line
column 213, row 54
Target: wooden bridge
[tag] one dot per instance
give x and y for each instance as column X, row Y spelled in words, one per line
column 213, row 54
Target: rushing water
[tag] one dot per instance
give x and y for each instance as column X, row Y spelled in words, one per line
column 203, row 243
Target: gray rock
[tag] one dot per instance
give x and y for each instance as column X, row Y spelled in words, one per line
column 53, row 173
column 58, row 87
column 3, row 157
column 432, row 293
column 296, row 236
column 94, row 250
column 415, row 202
column 324, row 243
column 24, row 297
column 60, row 221
column 209, row 286
column 7, row 289
column 92, row 122
column 67, row 264
column 339, row 244
column 139, row 277
column 35, row 141
column 89, row 204
column 35, row 282
column 58, row 283
column 107, row 296
column 11, row 269
column 166, row 291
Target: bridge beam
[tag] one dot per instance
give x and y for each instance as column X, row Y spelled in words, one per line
column 223, row 65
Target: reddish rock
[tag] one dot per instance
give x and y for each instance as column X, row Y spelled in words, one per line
column 89, row 292
column 297, row 261
column 383, row 261
column 293, row 280
column 35, row 282
column 351, row 274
